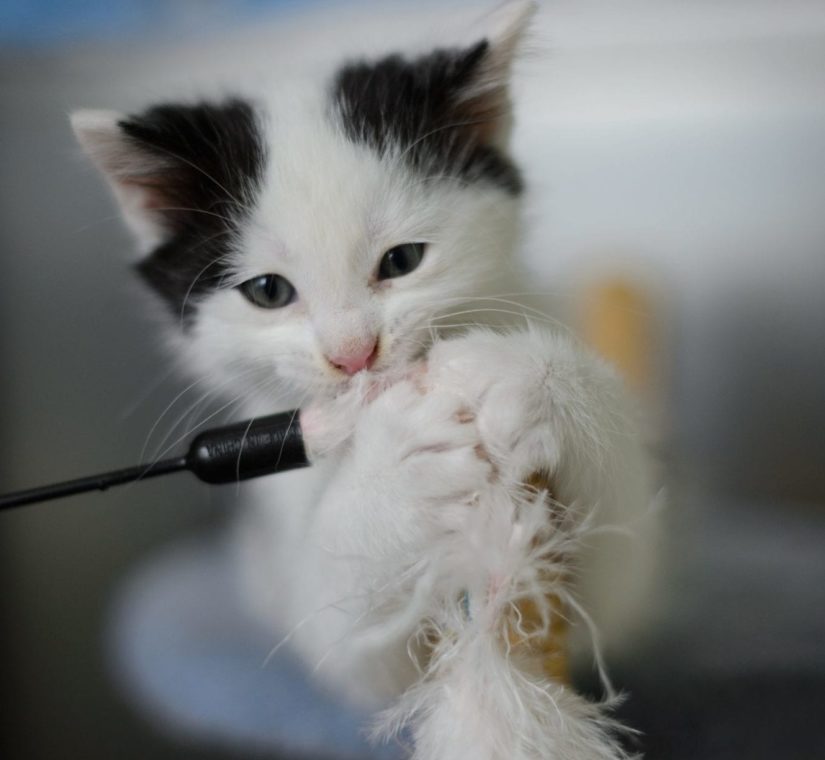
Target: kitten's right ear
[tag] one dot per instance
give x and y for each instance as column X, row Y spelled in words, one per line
column 128, row 170
column 178, row 169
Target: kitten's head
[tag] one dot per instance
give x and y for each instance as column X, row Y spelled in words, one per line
column 301, row 239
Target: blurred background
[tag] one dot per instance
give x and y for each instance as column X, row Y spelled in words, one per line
column 676, row 157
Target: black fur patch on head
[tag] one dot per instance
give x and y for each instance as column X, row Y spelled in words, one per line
column 205, row 165
column 425, row 108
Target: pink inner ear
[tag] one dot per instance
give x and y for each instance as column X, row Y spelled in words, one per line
column 485, row 114
column 150, row 189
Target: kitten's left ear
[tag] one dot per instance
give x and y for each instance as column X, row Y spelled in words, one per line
column 446, row 112
column 503, row 29
column 487, row 96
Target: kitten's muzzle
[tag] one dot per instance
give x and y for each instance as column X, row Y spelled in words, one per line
column 355, row 356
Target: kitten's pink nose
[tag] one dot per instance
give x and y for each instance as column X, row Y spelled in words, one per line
column 356, row 357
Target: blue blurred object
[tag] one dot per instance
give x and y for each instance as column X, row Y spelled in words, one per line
column 184, row 649
column 38, row 23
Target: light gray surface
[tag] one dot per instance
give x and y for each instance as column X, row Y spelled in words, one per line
column 75, row 358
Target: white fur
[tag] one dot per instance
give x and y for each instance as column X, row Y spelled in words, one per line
column 478, row 697
column 415, row 501
column 419, row 522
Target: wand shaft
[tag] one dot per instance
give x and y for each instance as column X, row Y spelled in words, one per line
column 228, row 454
column 91, row 483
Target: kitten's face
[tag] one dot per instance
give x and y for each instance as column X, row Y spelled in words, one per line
column 345, row 228
column 304, row 243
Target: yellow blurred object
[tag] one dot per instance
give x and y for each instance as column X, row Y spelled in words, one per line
column 529, row 628
column 550, row 645
column 616, row 322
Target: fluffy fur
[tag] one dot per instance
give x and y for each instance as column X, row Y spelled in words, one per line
column 465, row 543
column 398, row 565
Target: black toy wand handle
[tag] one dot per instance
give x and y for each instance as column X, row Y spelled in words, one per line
column 227, row 454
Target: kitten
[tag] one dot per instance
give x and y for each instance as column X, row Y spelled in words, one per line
column 313, row 249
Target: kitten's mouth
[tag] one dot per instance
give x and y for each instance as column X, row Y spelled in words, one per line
column 374, row 380
column 370, row 384
column 387, row 369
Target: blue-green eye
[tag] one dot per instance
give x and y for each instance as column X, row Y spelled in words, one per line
column 400, row 260
column 269, row 291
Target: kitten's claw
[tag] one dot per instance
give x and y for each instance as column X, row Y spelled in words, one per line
column 465, row 416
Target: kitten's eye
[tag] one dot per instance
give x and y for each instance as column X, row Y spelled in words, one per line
column 269, row 291
column 401, row 260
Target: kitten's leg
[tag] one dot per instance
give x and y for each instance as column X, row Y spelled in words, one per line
column 426, row 520
column 487, row 693
column 411, row 470
column 543, row 405
column 546, row 404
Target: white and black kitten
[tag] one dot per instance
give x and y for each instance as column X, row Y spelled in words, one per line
column 311, row 246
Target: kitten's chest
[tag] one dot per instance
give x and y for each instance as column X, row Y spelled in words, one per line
column 284, row 504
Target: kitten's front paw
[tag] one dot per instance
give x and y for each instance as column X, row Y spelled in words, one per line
column 420, row 459
column 516, row 388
